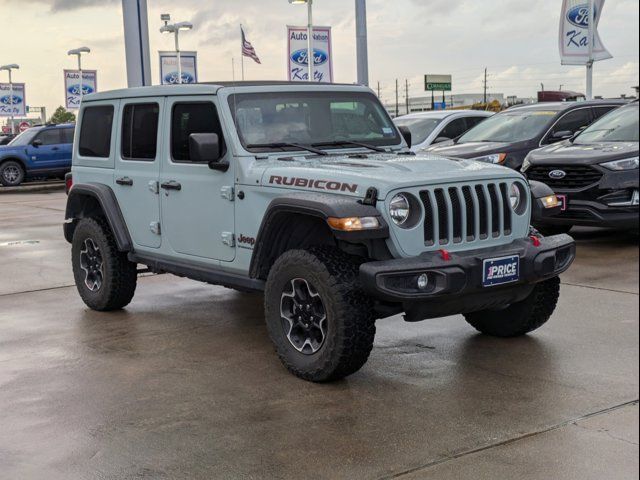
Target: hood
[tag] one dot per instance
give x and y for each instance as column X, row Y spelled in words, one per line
column 354, row 174
column 583, row 154
column 470, row 149
column 9, row 149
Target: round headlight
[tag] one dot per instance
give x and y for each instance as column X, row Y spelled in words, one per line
column 515, row 196
column 399, row 209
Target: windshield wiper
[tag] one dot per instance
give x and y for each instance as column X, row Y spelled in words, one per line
column 283, row 145
column 337, row 143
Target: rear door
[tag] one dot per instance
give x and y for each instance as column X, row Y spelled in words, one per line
column 137, row 168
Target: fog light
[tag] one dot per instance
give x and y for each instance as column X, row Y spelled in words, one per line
column 423, row 281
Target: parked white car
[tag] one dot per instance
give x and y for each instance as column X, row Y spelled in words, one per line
column 438, row 126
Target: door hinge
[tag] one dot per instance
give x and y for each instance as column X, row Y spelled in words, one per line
column 153, row 187
column 227, row 192
column 155, row 227
column 229, row 239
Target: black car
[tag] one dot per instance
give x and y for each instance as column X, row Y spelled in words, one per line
column 507, row 137
column 595, row 174
column 5, row 138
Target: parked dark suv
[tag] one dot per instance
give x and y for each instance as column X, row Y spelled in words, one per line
column 595, row 174
column 507, row 138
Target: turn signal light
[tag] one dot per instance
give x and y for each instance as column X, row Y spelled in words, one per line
column 351, row 224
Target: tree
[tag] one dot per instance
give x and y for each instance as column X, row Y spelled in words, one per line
column 61, row 115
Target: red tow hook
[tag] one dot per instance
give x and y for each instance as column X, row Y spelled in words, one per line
column 535, row 240
column 446, row 256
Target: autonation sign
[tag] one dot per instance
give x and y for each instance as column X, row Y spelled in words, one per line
column 169, row 67
column 573, row 40
column 15, row 107
column 298, row 54
column 72, row 86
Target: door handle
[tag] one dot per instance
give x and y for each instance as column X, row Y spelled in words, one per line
column 126, row 181
column 171, row 185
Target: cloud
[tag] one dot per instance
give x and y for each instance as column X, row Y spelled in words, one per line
column 66, row 5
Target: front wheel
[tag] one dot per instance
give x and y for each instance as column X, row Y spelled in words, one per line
column 319, row 319
column 11, row 174
column 522, row 317
column 106, row 280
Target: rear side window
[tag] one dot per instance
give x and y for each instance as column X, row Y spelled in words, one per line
column 573, row 121
column 600, row 111
column 95, row 132
column 456, row 128
column 188, row 118
column 473, row 121
column 67, row 135
column 140, row 131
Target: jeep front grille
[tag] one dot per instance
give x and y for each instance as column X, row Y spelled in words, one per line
column 576, row 176
column 466, row 213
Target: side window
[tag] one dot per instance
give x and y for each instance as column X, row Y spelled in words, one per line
column 95, row 131
column 67, row 135
column 188, row 118
column 140, row 131
column 49, row 137
column 473, row 121
column 600, row 111
column 572, row 122
column 455, row 128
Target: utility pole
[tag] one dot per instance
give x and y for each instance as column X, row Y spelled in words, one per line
column 361, row 42
column 378, row 90
column 485, row 88
column 397, row 100
column 406, row 94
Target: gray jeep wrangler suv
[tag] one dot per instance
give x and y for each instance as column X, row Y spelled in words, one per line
column 310, row 194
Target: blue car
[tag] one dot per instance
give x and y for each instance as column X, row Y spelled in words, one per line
column 37, row 152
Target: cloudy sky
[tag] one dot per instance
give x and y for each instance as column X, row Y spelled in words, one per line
column 515, row 39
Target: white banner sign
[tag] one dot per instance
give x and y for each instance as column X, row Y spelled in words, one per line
column 72, row 86
column 574, row 33
column 17, row 108
column 169, row 67
column 297, row 61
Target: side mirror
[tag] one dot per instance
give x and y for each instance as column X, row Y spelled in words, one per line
column 36, row 143
column 440, row 140
column 406, row 134
column 205, row 148
column 562, row 135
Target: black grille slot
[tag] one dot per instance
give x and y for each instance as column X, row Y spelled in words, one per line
column 506, row 208
column 428, row 219
column 468, row 201
column 456, row 207
column 495, row 217
column 443, row 216
column 482, row 206
column 576, row 176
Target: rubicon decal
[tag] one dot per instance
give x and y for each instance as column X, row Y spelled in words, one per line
column 313, row 184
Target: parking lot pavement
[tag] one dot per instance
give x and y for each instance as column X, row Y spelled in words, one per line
column 185, row 384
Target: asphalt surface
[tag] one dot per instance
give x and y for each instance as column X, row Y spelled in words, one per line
column 185, row 384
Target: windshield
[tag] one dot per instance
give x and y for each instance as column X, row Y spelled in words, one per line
column 24, row 138
column 510, row 127
column 420, row 128
column 620, row 125
column 267, row 121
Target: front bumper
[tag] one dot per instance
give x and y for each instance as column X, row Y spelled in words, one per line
column 455, row 284
column 584, row 211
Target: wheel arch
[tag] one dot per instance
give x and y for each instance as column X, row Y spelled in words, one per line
column 95, row 199
column 19, row 160
column 299, row 221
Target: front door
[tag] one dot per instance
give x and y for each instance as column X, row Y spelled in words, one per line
column 137, row 162
column 46, row 149
column 196, row 202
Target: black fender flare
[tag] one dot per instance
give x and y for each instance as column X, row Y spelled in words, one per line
column 106, row 199
column 318, row 205
column 540, row 190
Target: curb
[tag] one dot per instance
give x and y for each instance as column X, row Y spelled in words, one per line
column 40, row 187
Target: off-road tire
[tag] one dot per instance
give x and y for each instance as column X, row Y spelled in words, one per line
column 15, row 167
column 550, row 230
column 522, row 317
column 350, row 317
column 119, row 276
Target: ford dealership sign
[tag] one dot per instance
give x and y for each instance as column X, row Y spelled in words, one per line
column 169, row 67
column 298, row 54
column 573, row 38
column 72, row 86
column 17, row 108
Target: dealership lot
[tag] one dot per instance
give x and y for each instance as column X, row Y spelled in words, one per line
column 184, row 383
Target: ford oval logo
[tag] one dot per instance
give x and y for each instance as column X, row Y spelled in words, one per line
column 557, row 174
column 75, row 89
column 172, row 78
column 579, row 15
column 299, row 57
column 6, row 100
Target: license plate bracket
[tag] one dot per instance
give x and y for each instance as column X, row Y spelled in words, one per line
column 500, row 271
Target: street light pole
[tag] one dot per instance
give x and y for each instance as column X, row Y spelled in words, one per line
column 8, row 68
column 78, row 52
column 175, row 29
column 310, row 54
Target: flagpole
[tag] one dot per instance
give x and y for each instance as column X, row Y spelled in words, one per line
column 233, row 68
column 591, row 32
column 241, row 52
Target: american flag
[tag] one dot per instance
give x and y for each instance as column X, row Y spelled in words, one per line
column 247, row 48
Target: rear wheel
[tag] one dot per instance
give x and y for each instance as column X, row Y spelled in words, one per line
column 319, row 319
column 11, row 173
column 522, row 317
column 105, row 278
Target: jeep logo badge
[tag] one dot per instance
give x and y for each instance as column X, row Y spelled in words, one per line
column 557, row 174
